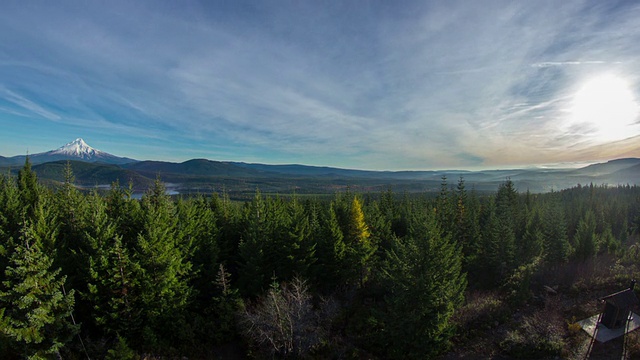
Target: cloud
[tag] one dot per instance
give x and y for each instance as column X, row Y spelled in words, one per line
column 27, row 104
column 418, row 85
column 546, row 64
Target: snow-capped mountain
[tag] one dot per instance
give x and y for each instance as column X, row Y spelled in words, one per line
column 78, row 148
column 75, row 150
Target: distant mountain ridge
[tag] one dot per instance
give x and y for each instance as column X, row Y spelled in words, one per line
column 75, row 150
column 93, row 167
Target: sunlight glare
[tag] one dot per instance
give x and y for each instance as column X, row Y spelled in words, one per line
column 604, row 108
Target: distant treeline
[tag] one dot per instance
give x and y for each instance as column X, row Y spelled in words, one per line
column 357, row 275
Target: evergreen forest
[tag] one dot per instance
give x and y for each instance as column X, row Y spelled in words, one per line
column 103, row 275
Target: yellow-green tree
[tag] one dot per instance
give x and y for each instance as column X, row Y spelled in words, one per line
column 360, row 248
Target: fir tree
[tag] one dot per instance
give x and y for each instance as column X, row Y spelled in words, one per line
column 359, row 245
column 34, row 309
column 11, row 216
column 532, row 244
column 446, row 207
column 125, row 212
column 584, row 240
column 198, row 238
column 252, row 274
column 302, row 248
column 72, row 213
column 164, row 271
column 425, row 284
column 330, row 250
column 556, row 243
column 225, row 305
column 28, row 187
column 112, row 279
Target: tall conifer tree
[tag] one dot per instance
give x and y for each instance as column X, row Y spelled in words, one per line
column 165, row 271
column 425, row 283
column 34, row 308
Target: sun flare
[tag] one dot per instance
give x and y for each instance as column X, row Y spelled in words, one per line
column 604, row 108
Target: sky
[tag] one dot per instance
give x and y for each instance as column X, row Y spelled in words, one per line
column 377, row 85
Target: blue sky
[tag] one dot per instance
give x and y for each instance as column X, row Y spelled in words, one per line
column 357, row 84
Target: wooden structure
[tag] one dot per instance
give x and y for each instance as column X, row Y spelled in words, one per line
column 616, row 320
column 617, row 308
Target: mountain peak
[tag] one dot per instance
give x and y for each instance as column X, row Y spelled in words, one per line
column 77, row 148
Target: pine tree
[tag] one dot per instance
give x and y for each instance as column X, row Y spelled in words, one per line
column 506, row 215
column 164, row 271
column 532, row 244
column 72, row 211
column 112, row 279
column 28, row 187
column 446, row 207
column 229, row 224
column 359, row 245
column 224, row 308
column 11, row 216
column 278, row 246
column 584, row 239
column 556, row 243
column 606, row 241
column 198, row 237
column 125, row 212
column 114, row 290
column 300, row 245
column 497, row 250
column 253, row 274
column 34, row 308
column 329, row 269
column 425, row 284
column 380, row 228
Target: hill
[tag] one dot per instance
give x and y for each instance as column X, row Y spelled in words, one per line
column 93, row 167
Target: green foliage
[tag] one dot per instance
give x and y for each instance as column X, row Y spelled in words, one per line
column 254, row 269
column 331, row 268
column 425, row 283
column 499, row 246
column 518, row 285
column 11, row 216
column 34, row 310
column 168, row 277
column 125, row 212
column 556, row 243
column 225, row 306
column 113, row 287
column 585, row 238
column 359, row 248
column 121, row 351
column 28, row 187
column 532, row 243
column 165, row 270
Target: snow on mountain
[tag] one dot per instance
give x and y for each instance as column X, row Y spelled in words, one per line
column 78, row 148
column 75, row 150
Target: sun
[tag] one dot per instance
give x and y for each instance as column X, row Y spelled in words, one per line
column 604, row 108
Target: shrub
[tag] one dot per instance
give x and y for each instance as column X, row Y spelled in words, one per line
column 284, row 322
column 481, row 311
column 121, row 351
column 537, row 337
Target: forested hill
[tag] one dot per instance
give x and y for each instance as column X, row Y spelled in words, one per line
column 358, row 275
column 241, row 179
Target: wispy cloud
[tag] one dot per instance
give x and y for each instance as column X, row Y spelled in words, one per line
column 27, row 104
column 564, row 63
column 410, row 86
